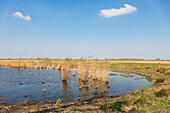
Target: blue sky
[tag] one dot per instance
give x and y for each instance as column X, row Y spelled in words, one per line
column 75, row 28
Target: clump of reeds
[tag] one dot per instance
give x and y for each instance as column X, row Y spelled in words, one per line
column 93, row 72
column 80, row 83
column 38, row 65
column 20, row 63
column 105, row 76
column 48, row 66
column 105, row 73
column 68, row 69
column 85, row 75
column 53, row 66
column 59, row 66
column 64, row 72
column 80, row 69
column 74, row 71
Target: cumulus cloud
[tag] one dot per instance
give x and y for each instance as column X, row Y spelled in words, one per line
column 20, row 15
column 116, row 12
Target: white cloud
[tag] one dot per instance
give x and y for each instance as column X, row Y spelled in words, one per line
column 20, row 15
column 116, row 12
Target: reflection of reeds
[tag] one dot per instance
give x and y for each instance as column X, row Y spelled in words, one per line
column 65, row 86
column 99, row 84
column 105, row 86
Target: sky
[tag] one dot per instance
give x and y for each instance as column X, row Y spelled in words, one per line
column 80, row 28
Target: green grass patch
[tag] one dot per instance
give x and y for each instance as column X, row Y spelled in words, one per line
column 115, row 106
column 160, row 80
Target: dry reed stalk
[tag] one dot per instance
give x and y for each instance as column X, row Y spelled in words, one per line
column 74, row 71
column 27, row 65
column 45, row 65
column 64, row 72
column 79, row 71
column 38, row 65
column 24, row 65
column 32, row 65
column 93, row 73
column 85, row 74
column 105, row 76
column 68, row 69
column 53, row 66
column 42, row 66
column 48, row 66
column 59, row 66
column 98, row 74
column 80, row 84
column 101, row 75
column 90, row 70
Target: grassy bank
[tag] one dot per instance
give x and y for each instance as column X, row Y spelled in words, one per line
column 144, row 100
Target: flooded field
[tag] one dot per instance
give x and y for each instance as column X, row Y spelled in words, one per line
column 31, row 85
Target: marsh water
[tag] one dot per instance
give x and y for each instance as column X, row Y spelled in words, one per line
column 32, row 85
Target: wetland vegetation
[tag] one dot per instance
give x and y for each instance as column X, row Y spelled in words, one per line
column 100, row 85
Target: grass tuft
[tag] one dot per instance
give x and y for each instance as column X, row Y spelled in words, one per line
column 162, row 92
column 116, row 106
column 160, row 80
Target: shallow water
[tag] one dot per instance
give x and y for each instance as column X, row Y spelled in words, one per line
column 27, row 85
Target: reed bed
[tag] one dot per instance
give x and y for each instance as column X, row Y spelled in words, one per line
column 27, row 64
column 92, row 70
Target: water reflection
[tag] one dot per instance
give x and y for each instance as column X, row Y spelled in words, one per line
column 20, row 82
column 65, row 87
column 93, row 84
column 99, row 85
column 105, row 86
column 59, row 72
